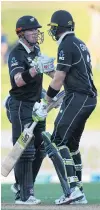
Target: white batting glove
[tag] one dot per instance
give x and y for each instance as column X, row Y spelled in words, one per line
column 39, row 112
column 43, row 64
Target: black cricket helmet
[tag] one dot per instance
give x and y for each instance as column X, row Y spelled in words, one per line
column 27, row 23
column 61, row 21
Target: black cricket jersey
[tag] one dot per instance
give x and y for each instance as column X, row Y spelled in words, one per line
column 20, row 60
column 74, row 59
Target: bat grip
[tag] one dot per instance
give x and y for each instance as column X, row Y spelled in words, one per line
column 33, row 125
column 49, row 107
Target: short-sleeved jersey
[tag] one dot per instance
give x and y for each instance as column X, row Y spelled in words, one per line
column 20, row 60
column 74, row 59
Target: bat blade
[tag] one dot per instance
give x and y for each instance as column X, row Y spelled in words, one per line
column 16, row 152
column 10, row 160
column 24, row 139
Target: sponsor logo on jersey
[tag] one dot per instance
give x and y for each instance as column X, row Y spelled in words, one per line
column 83, row 47
column 14, row 62
column 61, row 55
column 29, row 59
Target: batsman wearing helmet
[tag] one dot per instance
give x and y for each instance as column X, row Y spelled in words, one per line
column 26, row 67
column 74, row 71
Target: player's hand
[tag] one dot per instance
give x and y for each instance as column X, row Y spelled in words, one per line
column 58, row 105
column 39, row 112
column 43, row 94
column 44, row 64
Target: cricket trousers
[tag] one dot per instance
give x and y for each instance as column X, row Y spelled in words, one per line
column 70, row 122
column 26, row 169
column 69, row 125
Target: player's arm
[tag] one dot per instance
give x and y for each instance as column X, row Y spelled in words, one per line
column 42, row 64
column 17, row 70
column 51, row 74
column 64, row 62
column 40, row 109
column 22, row 78
column 55, row 85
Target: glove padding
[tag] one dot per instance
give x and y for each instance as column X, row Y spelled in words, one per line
column 43, row 64
column 39, row 112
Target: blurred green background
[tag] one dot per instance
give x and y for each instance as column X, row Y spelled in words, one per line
column 11, row 11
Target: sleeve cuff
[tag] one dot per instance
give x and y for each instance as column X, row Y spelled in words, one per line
column 63, row 67
column 16, row 70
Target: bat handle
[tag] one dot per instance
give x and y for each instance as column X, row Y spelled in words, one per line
column 33, row 125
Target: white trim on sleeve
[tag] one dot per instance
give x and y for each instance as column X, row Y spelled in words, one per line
column 19, row 67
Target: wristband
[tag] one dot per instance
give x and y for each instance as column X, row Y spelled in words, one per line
column 52, row 92
column 26, row 76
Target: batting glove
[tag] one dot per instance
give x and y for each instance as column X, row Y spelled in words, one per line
column 43, row 64
column 39, row 112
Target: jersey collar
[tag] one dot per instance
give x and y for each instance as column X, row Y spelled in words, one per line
column 63, row 35
column 26, row 48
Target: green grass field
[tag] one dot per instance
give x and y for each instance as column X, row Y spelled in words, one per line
column 11, row 11
column 49, row 192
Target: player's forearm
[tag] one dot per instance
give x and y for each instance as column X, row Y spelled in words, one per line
column 55, row 85
column 23, row 78
column 53, row 89
column 51, row 74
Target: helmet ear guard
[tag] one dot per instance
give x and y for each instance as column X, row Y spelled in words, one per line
column 71, row 25
column 19, row 32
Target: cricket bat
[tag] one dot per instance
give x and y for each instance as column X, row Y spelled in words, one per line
column 24, row 139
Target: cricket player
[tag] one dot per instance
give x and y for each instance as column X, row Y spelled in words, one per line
column 74, row 71
column 26, row 68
